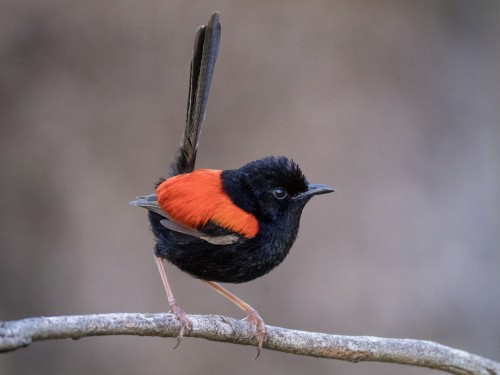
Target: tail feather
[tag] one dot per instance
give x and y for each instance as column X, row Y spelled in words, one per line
column 206, row 46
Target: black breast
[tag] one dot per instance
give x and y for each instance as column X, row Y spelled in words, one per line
column 245, row 260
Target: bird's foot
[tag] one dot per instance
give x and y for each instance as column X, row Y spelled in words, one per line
column 254, row 318
column 183, row 318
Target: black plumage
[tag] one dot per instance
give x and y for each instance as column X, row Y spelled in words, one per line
column 270, row 193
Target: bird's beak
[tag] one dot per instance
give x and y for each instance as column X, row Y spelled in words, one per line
column 315, row 189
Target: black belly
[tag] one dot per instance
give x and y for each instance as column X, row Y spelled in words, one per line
column 240, row 262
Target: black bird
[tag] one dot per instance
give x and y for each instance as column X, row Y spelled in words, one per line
column 223, row 225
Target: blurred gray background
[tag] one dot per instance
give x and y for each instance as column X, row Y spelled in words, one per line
column 395, row 103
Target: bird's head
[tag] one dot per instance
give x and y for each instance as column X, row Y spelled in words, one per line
column 270, row 188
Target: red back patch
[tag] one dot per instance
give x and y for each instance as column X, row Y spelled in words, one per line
column 193, row 199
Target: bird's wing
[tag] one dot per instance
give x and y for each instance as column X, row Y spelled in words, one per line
column 149, row 202
column 223, row 237
column 215, row 240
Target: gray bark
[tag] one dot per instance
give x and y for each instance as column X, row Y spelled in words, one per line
column 21, row 333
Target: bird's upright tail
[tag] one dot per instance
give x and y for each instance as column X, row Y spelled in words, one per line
column 206, row 46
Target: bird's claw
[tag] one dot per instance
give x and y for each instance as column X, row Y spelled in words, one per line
column 254, row 318
column 184, row 320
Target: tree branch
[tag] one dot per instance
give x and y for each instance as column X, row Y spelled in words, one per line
column 21, row 333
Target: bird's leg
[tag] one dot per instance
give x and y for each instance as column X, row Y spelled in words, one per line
column 252, row 314
column 174, row 308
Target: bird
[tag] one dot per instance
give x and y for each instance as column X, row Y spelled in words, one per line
column 229, row 226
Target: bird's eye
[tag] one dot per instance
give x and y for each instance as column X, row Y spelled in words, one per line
column 280, row 193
